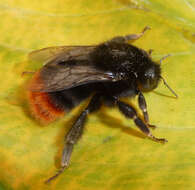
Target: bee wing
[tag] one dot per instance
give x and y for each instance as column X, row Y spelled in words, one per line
column 45, row 55
column 51, row 79
column 68, row 69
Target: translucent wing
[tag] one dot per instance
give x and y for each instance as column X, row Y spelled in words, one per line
column 45, row 55
column 68, row 69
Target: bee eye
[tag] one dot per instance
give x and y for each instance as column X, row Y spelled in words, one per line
column 149, row 74
column 148, row 80
column 148, row 84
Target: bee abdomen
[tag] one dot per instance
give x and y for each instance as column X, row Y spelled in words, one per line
column 43, row 108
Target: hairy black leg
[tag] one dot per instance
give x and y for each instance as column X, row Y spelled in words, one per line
column 75, row 133
column 130, row 37
column 143, row 107
column 130, row 112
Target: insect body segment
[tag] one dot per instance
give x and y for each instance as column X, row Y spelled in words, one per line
column 107, row 72
column 41, row 104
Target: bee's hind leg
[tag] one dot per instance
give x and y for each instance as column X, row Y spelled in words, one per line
column 27, row 72
column 75, row 133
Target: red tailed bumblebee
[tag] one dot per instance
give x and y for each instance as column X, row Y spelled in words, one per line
column 104, row 72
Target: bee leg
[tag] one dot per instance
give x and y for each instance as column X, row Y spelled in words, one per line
column 27, row 72
column 130, row 112
column 150, row 52
column 143, row 107
column 75, row 133
column 130, row 37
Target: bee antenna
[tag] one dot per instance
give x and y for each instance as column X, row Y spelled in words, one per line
column 164, row 57
column 165, row 83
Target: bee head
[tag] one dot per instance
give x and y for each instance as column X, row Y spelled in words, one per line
column 149, row 76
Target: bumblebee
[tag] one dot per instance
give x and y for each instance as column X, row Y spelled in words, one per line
column 104, row 72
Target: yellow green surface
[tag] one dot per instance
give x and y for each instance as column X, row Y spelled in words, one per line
column 112, row 154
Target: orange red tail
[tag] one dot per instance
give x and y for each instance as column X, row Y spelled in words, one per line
column 41, row 104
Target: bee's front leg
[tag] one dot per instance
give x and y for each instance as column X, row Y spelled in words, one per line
column 130, row 112
column 143, row 107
